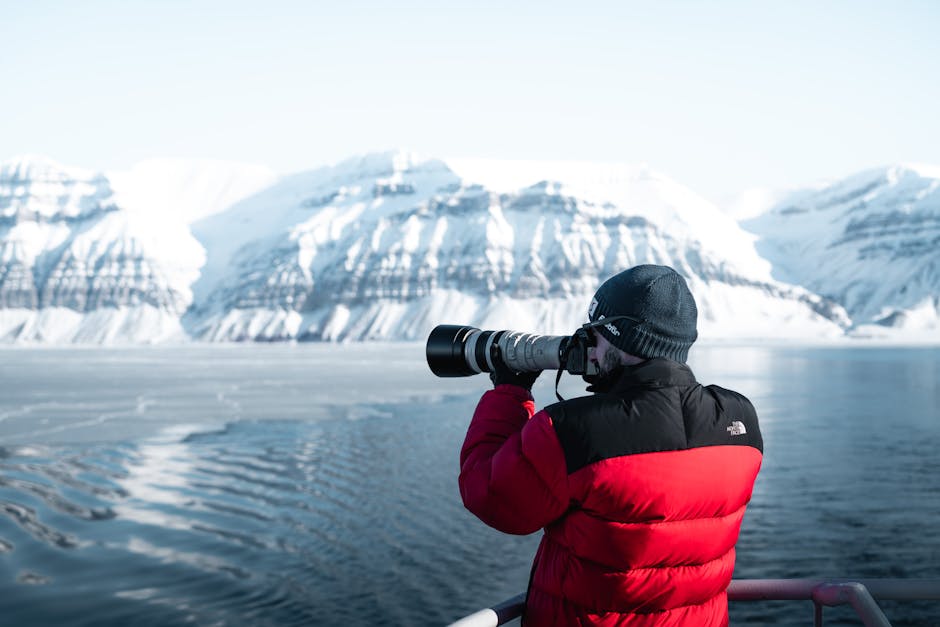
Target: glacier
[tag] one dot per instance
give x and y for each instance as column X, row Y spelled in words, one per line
column 384, row 246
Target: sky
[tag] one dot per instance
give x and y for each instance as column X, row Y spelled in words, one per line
column 720, row 96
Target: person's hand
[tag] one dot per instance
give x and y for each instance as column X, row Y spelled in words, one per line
column 504, row 374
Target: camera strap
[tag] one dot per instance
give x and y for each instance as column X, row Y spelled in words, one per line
column 563, row 359
column 557, row 381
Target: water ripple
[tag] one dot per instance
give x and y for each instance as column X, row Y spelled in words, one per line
column 27, row 519
column 64, row 474
column 55, row 500
column 238, row 512
column 200, row 561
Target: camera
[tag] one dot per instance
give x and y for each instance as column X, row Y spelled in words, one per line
column 462, row 351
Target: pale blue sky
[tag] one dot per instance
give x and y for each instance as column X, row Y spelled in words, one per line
column 721, row 96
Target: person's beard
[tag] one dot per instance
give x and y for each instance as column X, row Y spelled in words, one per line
column 609, row 370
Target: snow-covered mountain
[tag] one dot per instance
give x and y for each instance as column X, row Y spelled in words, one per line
column 387, row 245
column 870, row 242
column 76, row 267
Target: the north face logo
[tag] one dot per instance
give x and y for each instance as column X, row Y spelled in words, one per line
column 737, row 428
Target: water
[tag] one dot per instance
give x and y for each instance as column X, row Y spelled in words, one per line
column 316, row 485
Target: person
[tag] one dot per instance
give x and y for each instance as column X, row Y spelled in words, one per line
column 640, row 487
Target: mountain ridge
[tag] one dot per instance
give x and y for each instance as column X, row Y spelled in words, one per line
column 382, row 246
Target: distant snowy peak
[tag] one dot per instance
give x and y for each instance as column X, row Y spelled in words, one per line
column 870, row 242
column 636, row 187
column 890, row 212
column 40, row 168
column 386, row 164
column 505, row 175
column 313, row 206
column 37, row 188
column 378, row 183
column 380, row 247
column 633, row 190
column 903, row 187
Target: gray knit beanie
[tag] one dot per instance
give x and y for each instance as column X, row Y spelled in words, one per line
column 661, row 308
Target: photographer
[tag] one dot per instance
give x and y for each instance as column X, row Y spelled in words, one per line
column 640, row 487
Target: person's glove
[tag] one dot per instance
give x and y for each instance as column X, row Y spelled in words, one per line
column 503, row 374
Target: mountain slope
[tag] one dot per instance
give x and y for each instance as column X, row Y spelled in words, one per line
column 388, row 245
column 870, row 242
column 76, row 267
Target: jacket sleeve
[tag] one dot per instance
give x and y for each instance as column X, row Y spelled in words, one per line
column 513, row 474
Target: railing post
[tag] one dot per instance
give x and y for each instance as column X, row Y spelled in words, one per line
column 857, row 596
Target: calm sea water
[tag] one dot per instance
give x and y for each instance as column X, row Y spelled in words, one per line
column 316, row 485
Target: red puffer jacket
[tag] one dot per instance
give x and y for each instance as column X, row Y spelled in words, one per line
column 640, row 490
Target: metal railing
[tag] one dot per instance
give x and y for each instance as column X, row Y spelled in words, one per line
column 859, row 593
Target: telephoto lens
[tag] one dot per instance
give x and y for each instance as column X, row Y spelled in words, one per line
column 462, row 351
